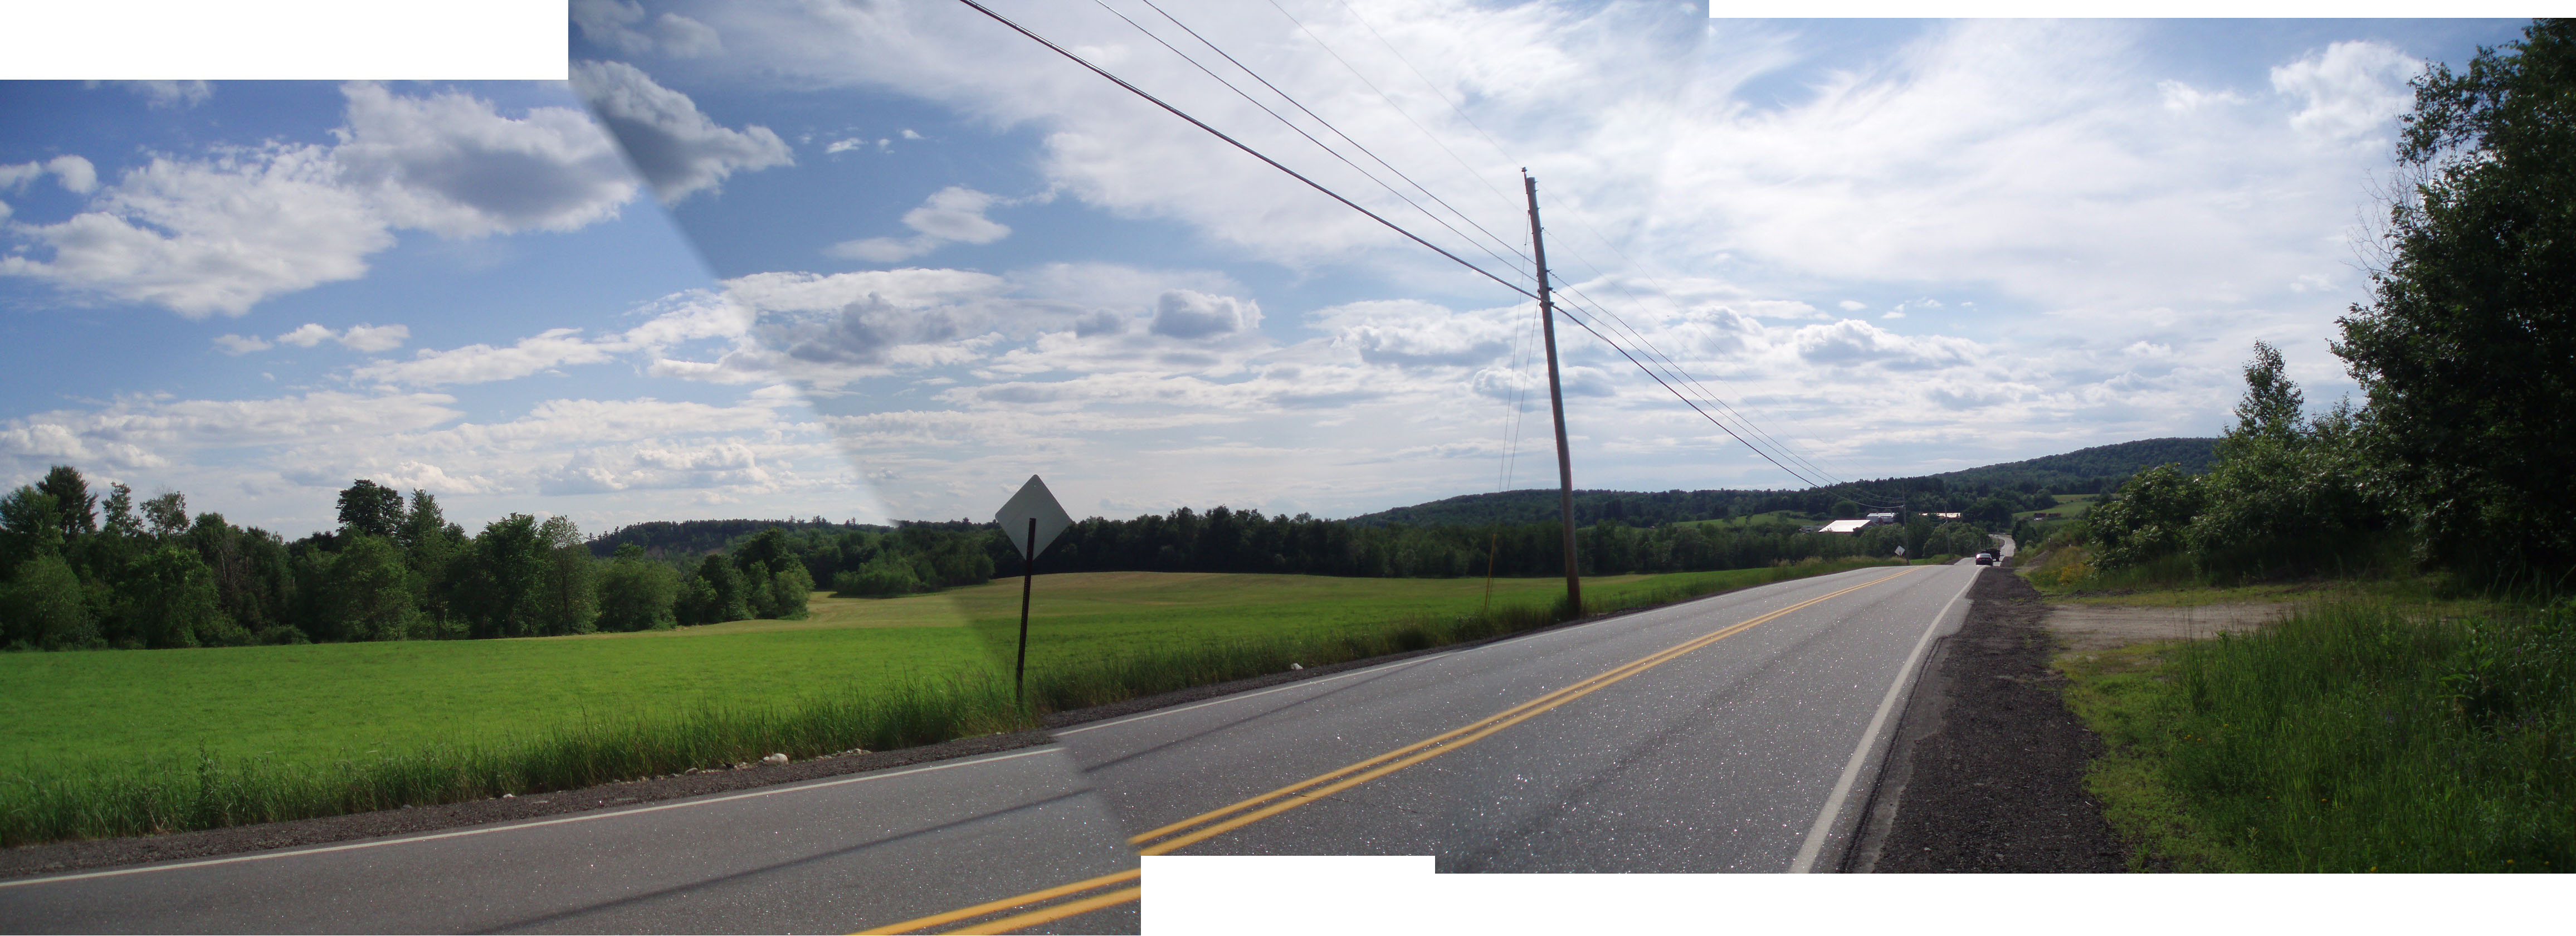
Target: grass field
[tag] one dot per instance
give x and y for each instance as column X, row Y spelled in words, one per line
column 2068, row 505
column 325, row 701
column 122, row 742
column 1775, row 517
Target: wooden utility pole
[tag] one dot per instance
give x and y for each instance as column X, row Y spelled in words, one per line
column 1555, row 404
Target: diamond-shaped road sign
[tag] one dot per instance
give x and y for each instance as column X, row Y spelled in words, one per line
column 1032, row 502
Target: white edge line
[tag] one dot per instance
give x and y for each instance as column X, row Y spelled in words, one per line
column 264, row 856
column 1399, row 664
column 1816, row 834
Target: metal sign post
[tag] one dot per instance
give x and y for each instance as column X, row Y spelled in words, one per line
column 1032, row 519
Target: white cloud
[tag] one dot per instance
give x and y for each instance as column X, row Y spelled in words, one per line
column 372, row 338
column 307, row 335
column 2349, row 89
column 202, row 238
column 623, row 25
column 483, row 363
column 2181, row 98
column 678, row 149
column 75, row 173
column 951, row 215
column 1191, row 315
column 171, row 94
column 240, row 344
column 451, row 164
column 217, row 234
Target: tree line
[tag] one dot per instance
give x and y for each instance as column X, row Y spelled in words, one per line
column 81, row 570
column 2457, row 459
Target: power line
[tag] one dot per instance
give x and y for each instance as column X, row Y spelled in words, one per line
column 1354, row 206
column 1497, row 146
column 1300, row 131
column 1337, row 131
column 1238, row 144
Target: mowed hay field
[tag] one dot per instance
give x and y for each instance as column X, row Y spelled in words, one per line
column 324, row 702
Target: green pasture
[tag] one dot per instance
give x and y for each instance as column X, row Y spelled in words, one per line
column 1773, row 518
column 322, row 702
column 2068, row 506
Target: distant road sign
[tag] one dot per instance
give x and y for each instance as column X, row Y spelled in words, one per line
column 1033, row 502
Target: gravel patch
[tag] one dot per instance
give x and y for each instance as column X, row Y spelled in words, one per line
column 1987, row 771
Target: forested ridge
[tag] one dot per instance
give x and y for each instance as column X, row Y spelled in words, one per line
column 2022, row 484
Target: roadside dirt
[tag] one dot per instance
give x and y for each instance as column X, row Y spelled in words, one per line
column 2098, row 627
column 1987, row 769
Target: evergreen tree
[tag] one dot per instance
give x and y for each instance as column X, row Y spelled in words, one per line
column 570, row 596
column 75, row 507
column 120, row 520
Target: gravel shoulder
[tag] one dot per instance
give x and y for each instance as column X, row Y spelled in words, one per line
column 1987, row 769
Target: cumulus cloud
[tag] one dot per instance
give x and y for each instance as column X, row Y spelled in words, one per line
column 1192, row 315
column 679, row 149
column 1414, row 333
column 171, row 94
column 623, row 25
column 451, row 164
column 240, row 344
column 2349, row 89
column 483, row 363
column 953, row 214
column 1852, row 342
column 219, row 233
column 202, row 238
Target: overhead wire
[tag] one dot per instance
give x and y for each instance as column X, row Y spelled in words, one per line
column 1291, row 125
column 1337, row 131
column 1461, row 113
column 1238, row 144
column 1345, row 201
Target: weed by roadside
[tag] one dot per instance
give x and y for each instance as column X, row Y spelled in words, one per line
column 2355, row 735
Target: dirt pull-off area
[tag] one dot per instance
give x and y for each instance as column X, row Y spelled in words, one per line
column 2102, row 627
column 1987, row 771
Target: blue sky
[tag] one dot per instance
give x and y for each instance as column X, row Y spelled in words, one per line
column 889, row 259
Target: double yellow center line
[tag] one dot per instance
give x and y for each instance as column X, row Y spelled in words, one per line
column 1215, row 822
column 1048, row 906
column 1210, row 824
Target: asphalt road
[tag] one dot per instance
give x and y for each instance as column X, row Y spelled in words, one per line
column 830, row 856
column 1745, row 752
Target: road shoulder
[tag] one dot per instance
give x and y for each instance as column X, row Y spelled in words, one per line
column 1987, row 770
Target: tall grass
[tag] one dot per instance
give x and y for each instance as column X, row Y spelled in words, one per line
column 42, row 802
column 2353, row 736
column 56, row 801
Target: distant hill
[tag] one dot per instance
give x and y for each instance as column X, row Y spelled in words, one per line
column 2085, row 471
column 2095, row 466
